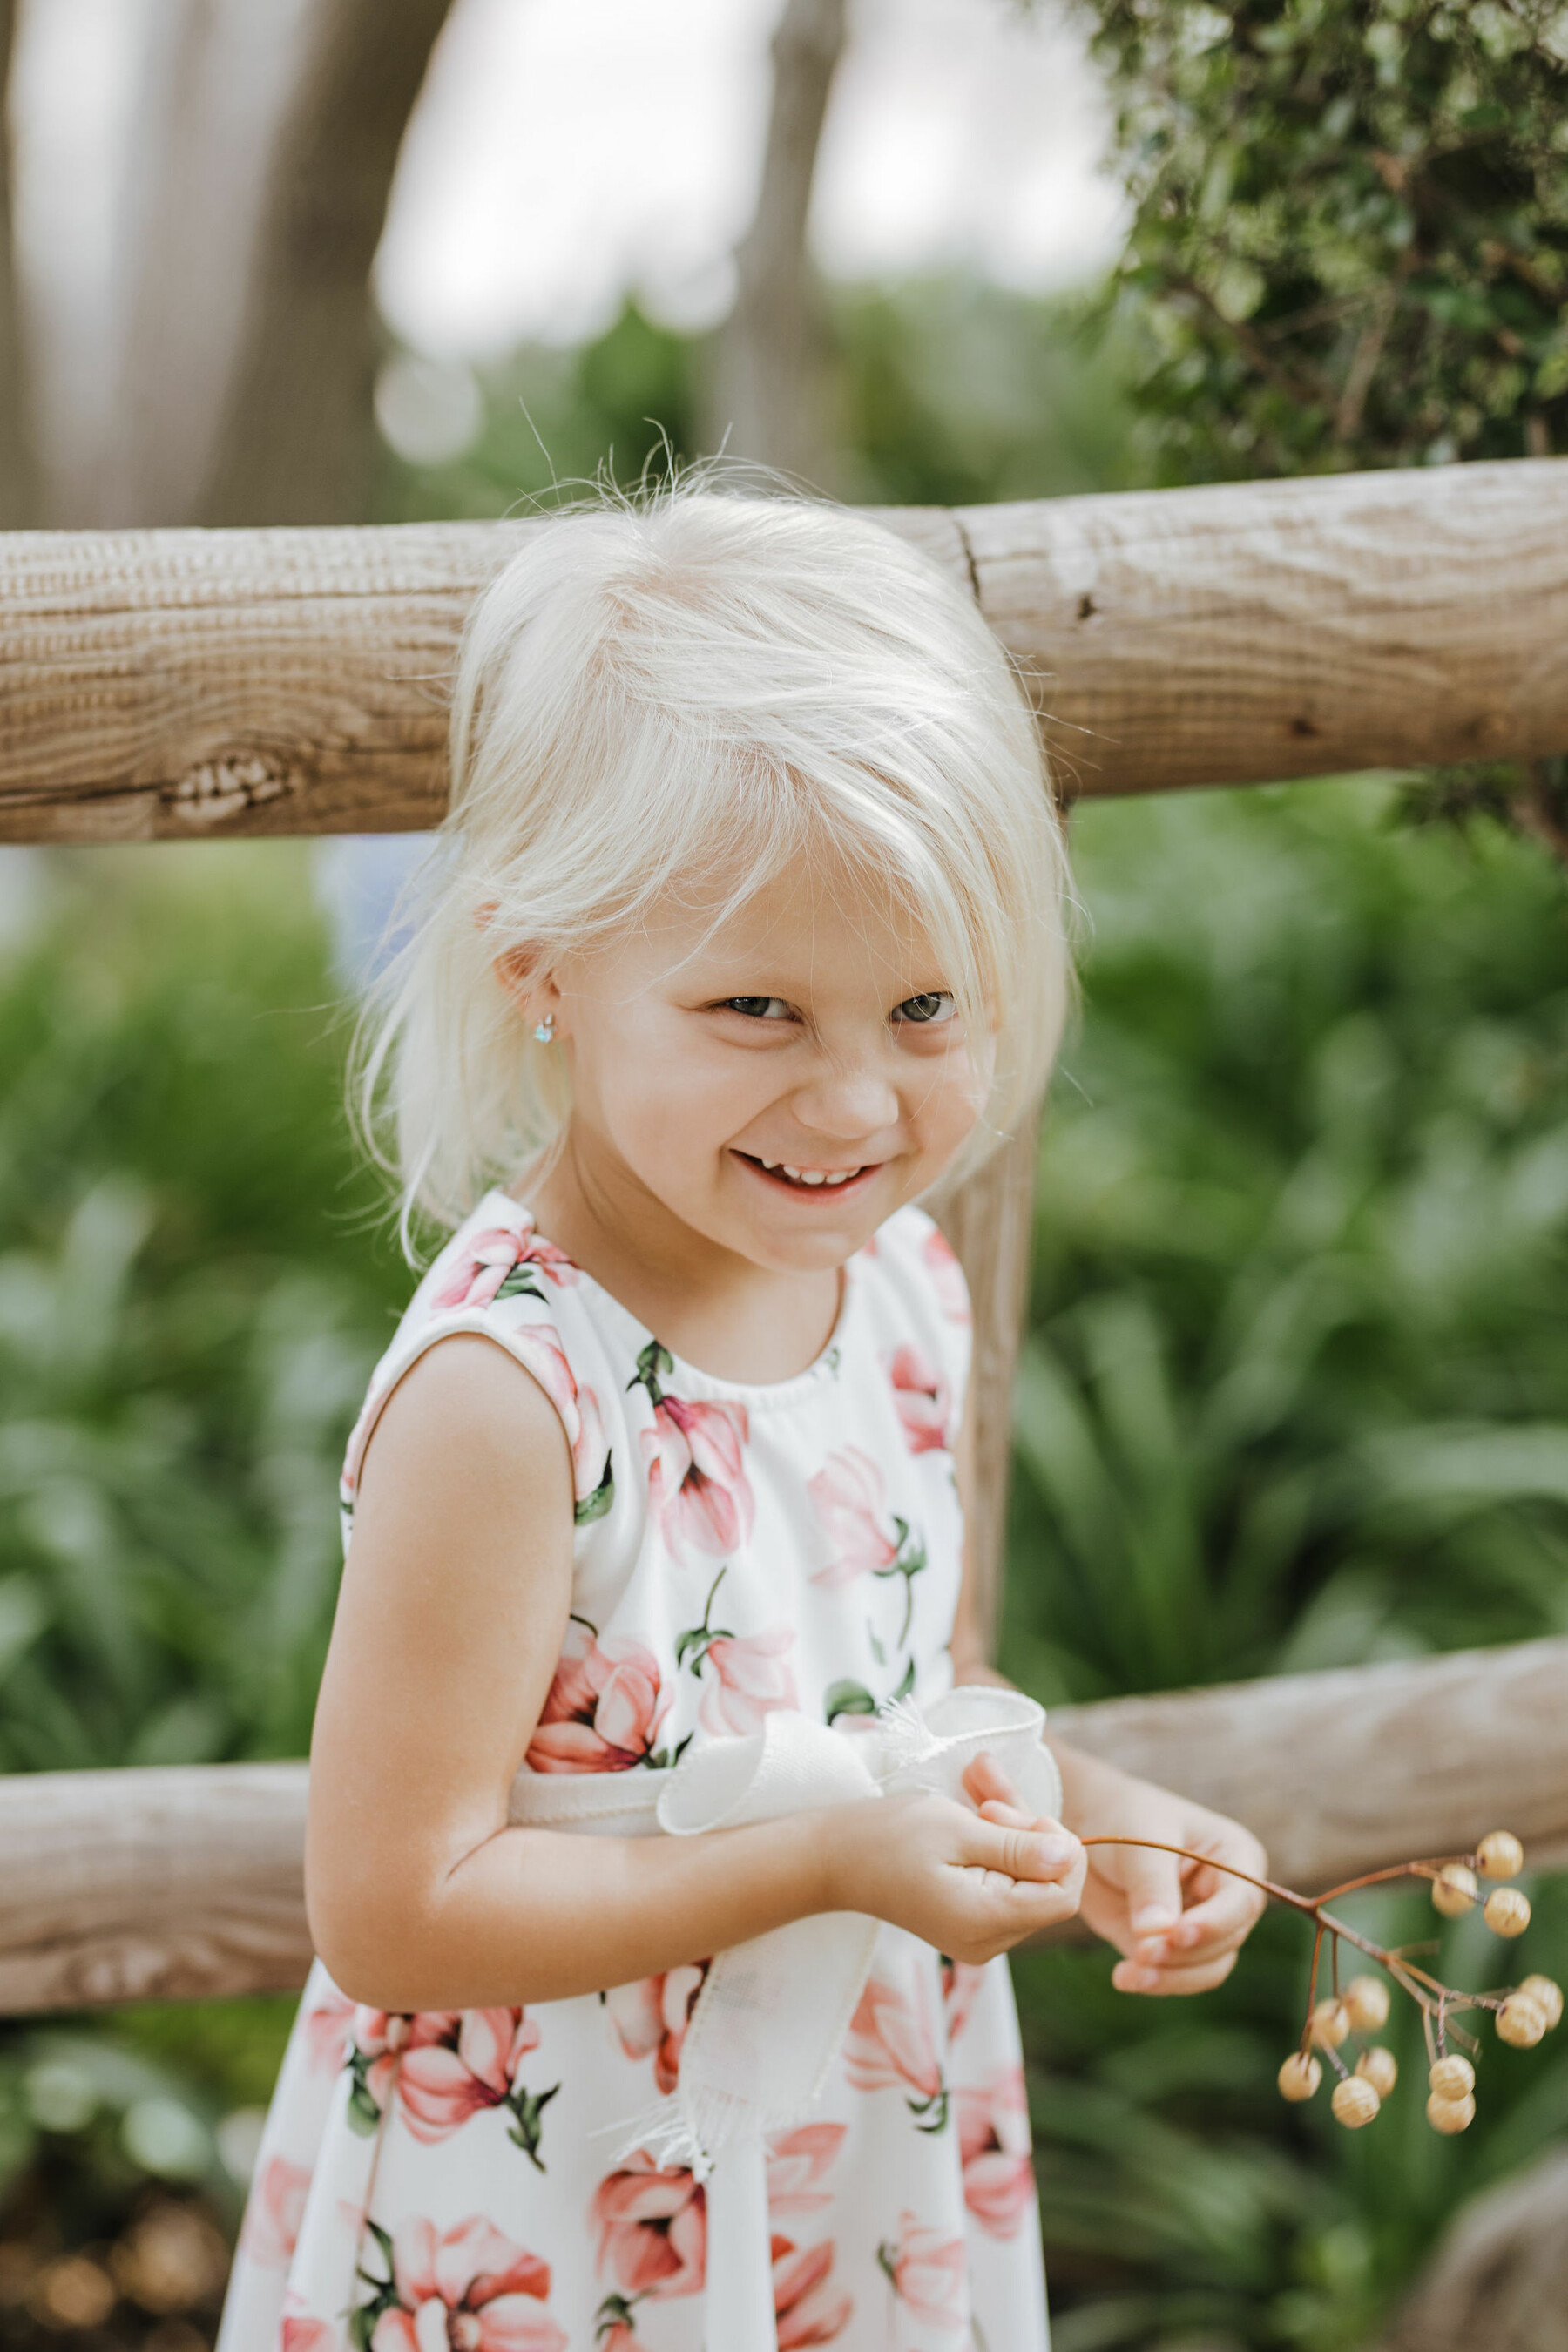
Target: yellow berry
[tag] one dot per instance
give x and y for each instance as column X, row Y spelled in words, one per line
column 1520, row 2023
column 1547, row 1997
column 1451, row 2115
column 1366, row 1999
column 1506, row 1911
column 1452, row 2078
column 1380, row 2069
column 1330, row 2023
column 1454, row 1890
column 1299, row 2075
column 1355, row 2102
column 1500, row 1856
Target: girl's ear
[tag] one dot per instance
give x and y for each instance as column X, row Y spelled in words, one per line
column 515, row 969
column 524, row 979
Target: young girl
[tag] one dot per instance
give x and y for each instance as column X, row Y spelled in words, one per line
column 748, row 936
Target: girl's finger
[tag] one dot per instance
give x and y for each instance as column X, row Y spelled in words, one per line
column 1022, row 1850
column 1151, row 1887
column 1221, row 1919
column 1133, row 1975
column 984, row 1781
column 1011, row 1817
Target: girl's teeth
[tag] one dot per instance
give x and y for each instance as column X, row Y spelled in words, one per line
column 809, row 1176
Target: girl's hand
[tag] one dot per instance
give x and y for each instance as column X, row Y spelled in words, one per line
column 970, row 1885
column 1179, row 1925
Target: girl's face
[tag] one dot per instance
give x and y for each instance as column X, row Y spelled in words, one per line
column 815, row 1031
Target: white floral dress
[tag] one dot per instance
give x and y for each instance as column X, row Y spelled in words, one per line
column 455, row 2182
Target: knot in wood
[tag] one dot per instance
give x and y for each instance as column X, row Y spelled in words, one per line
column 223, row 788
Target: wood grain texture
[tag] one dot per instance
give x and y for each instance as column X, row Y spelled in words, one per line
column 1262, row 630
column 159, row 1884
column 189, row 1882
column 1342, row 1772
column 172, row 684
column 180, row 684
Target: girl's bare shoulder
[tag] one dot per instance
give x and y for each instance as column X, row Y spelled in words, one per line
column 466, row 1411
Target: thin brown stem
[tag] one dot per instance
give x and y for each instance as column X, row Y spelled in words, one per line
column 1434, row 1999
column 1155, row 1845
column 1312, row 1986
column 1430, row 1867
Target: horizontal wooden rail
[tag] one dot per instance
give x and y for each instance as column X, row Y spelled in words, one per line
column 187, row 683
column 177, row 1884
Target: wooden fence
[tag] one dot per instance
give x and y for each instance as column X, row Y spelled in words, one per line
column 181, row 685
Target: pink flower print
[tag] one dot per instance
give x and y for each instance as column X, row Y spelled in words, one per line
column 604, row 1705
column 651, row 2018
column 847, row 1494
column 947, row 1275
column 797, row 2161
column 653, row 2228
column 496, row 1265
column 274, row 2212
column 592, row 1482
column 923, row 1399
column 469, row 2290
column 961, row 1983
column 929, row 2273
column 298, row 2332
column 457, row 2065
column 994, row 2146
column 891, row 2045
column 377, row 2043
column 326, row 2029
column 751, row 1677
column 807, row 2307
column 696, row 1482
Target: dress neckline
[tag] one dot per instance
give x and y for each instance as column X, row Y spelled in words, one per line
column 758, row 1396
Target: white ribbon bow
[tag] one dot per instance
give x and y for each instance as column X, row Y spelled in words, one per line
column 772, row 2013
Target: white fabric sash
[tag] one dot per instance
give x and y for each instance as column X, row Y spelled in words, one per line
column 772, row 2012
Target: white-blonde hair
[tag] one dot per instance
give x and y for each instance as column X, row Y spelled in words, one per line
column 656, row 689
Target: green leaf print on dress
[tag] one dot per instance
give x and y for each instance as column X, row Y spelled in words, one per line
column 850, row 1697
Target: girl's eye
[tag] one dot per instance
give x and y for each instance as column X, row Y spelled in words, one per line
column 927, row 1009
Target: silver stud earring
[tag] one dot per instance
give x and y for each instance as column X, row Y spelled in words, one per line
column 544, row 1030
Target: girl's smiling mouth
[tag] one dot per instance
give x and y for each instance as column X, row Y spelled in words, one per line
column 811, row 1184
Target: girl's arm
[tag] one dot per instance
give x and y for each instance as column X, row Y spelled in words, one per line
column 454, row 1602
column 1178, row 1925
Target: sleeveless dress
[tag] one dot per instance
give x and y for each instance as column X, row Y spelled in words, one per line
column 459, row 2180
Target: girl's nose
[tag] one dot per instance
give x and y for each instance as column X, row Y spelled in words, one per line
column 848, row 1103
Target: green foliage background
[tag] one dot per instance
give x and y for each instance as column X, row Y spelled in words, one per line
column 1294, row 1351
column 1351, row 242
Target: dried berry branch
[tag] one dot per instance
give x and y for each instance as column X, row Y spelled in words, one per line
column 1524, row 2012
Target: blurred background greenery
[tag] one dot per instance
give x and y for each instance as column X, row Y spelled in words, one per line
column 1292, row 1390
